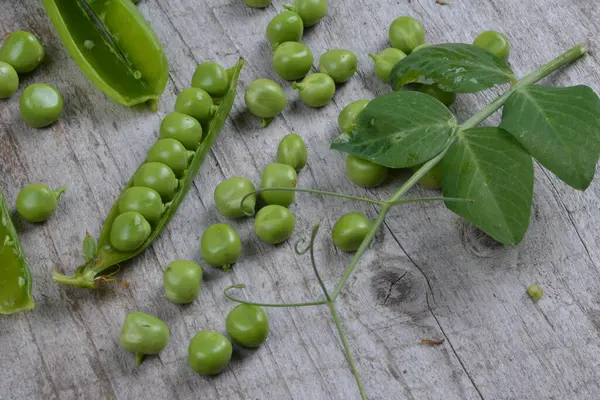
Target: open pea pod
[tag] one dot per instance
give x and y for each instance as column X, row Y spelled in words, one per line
column 114, row 46
column 15, row 280
column 103, row 263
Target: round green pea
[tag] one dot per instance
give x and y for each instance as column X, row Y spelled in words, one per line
column 265, row 98
column 432, row 179
column 171, row 153
column 350, row 231
column 277, row 175
column 129, row 231
column 447, row 98
column 157, row 176
column 292, row 60
column 9, row 80
column 196, row 103
column 406, row 33
column 183, row 128
column 274, row 224
column 364, row 172
column 143, row 200
column 349, row 114
column 339, row 64
column 311, row 11
column 229, row 194
column 144, row 334
column 421, row 46
column 220, row 246
column 493, row 42
column 182, row 280
column 292, row 151
column 212, row 78
column 316, row 90
column 535, row 291
column 247, row 325
column 23, row 51
column 385, row 62
column 37, row 202
column 209, row 353
column 257, row 3
column 40, row 105
column 286, row 26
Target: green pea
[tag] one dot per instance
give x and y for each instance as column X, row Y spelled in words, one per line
column 171, row 153
column 493, row 42
column 37, row 202
column 196, row 103
column 277, row 175
column 143, row 200
column 247, row 325
column 23, row 51
column 292, row 151
column 183, row 128
column 365, row 173
column 432, row 179
column 349, row 114
column 157, row 176
column 316, row 90
column 211, row 77
column 40, row 105
column 143, row 334
column 229, row 194
column 9, row 80
column 406, row 33
column 182, row 280
column 292, row 60
column 447, row 98
column 311, row 11
column 257, row 3
column 129, row 231
column 350, row 231
column 339, row 64
column 274, row 224
column 286, row 26
column 385, row 62
column 265, row 99
column 421, row 46
column 209, row 353
column 220, row 246
column 535, row 291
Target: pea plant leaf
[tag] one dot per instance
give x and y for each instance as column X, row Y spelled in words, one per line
column 399, row 130
column 560, row 127
column 487, row 165
column 455, row 67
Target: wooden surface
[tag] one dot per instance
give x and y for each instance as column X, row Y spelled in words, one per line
column 429, row 275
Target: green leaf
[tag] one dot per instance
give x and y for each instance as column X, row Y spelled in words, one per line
column 560, row 127
column 89, row 248
column 455, row 67
column 488, row 166
column 399, row 130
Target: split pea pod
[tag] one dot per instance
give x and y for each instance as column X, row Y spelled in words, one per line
column 151, row 197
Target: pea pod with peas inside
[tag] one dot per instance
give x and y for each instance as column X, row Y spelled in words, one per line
column 134, row 226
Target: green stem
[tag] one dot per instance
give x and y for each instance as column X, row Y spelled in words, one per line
column 314, row 262
column 86, row 280
column 423, row 199
column 280, row 305
column 59, row 192
column 139, row 358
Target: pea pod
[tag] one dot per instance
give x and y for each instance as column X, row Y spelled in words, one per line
column 114, row 46
column 99, row 268
column 15, row 280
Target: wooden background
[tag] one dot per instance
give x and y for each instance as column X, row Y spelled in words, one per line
column 429, row 275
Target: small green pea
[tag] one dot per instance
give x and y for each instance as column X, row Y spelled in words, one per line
column 339, row 64
column 316, row 90
column 40, row 105
column 265, row 99
column 274, row 224
column 143, row 334
column 493, row 42
column 447, row 98
column 432, row 179
column 247, row 325
column 286, row 26
column 129, row 231
column 535, row 291
column 143, row 200
column 350, row 231
column 157, row 176
column 257, row 3
column 406, row 33
column 209, row 353
column 196, row 103
column 311, row 11
column 365, row 173
column 385, row 62
column 229, row 194
column 23, row 51
column 277, row 175
column 421, row 46
column 9, row 80
column 37, row 202
column 220, row 246
column 183, row 128
column 211, row 77
column 349, row 114
column 292, row 60
column 292, row 151
column 171, row 153
column 182, row 280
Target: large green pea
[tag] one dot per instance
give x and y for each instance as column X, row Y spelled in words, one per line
column 37, row 202
column 364, row 172
column 292, row 60
column 493, row 42
column 385, row 62
column 183, row 128
column 349, row 114
column 40, row 105
column 229, row 194
column 171, row 153
column 316, row 90
column 129, row 231
column 265, row 98
column 350, row 231
column 432, row 179
column 157, row 176
column 257, row 3
column 220, row 246
column 143, row 200
column 211, row 77
column 447, row 98
column 197, row 103
column 182, row 280
column 311, row 11
column 406, row 33
column 339, row 64
column 9, row 80
column 209, row 353
column 23, row 51
column 274, row 224
column 292, row 151
column 247, row 325
column 286, row 26
column 143, row 334
column 277, row 175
